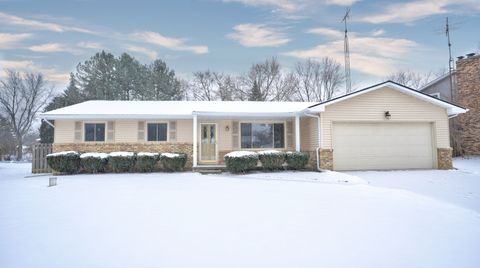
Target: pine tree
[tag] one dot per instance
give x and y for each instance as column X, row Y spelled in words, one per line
column 255, row 93
column 164, row 85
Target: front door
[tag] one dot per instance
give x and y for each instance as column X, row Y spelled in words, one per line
column 208, row 143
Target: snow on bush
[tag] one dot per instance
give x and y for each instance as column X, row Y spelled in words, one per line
column 121, row 161
column 64, row 162
column 272, row 159
column 240, row 154
column 146, row 162
column 94, row 155
column 296, row 160
column 93, row 162
column 241, row 161
column 173, row 161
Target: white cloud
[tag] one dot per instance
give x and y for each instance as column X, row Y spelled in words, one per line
column 284, row 5
column 54, row 48
column 150, row 53
column 40, row 25
column 290, row 6
column 168, row 42
column 90, row 45
column 378, row 56
column 328, row 32
column 379, row 32
column 10, row 40
column 341, row 2
column 258, row 35
column 50, row 74
column 407, row 12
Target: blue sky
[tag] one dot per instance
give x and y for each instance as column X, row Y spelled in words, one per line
column 229, row 35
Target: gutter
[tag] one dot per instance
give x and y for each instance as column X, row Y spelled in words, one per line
column 319, row 138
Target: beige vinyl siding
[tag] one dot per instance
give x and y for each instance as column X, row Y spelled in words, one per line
column 64, row 131
column 126, row 131
column 308, row 134
column 370, row 107
column 184, row 131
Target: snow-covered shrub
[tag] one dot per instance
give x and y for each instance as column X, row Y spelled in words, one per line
column 297, row 160
column 272, row 159
column 241, row 161
column 121, row 161
column 173, row 161
column 64, row 162
column 93, row 162
column 146, row 162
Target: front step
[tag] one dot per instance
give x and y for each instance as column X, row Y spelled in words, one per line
column 212, row 169
column 208, row 171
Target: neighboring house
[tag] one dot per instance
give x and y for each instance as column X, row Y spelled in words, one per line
column 386, row 126
column 466, row 92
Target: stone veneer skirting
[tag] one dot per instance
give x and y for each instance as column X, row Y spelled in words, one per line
column 444, row 158
column 167, row 147
column 326, row 159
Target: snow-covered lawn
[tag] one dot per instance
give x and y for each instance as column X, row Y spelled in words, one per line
column 293, row 219
column 460, row 187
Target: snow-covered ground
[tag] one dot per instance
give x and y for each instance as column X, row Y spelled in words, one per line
column 460, row 187
column 292, row 219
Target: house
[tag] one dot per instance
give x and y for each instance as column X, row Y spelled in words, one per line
column 465, row 129
column 385, row 126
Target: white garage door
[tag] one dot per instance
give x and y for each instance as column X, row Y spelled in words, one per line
column 363, row 146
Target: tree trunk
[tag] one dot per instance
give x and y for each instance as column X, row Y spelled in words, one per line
column 19, row 155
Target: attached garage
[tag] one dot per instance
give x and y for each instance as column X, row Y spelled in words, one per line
column 366, row 146
column 385, row 127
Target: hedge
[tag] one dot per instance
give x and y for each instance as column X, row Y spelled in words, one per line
column 296, row 160
column 93, row 162
column 121, row 161
column 241, row 161
column 64, row 162
column 173, row 161
column 272, row 160
column 146, row 162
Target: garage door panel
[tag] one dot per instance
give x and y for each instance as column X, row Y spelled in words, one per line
column 361, row 146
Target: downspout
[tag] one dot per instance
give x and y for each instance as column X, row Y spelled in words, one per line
column 317, row 150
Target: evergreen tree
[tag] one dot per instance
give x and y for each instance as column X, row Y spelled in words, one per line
column 97, row 77
column 164, row 85
column 255, row 93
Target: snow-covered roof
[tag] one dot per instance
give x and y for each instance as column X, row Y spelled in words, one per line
column 100, row 109
column 452, row 109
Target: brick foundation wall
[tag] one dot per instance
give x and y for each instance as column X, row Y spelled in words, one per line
column 170, row 147
column 326, row 159
column 444, row 158
column 468, row 96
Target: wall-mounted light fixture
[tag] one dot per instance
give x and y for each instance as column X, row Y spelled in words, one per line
column 387, row 115
column 227, row 128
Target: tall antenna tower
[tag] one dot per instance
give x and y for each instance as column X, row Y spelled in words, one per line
column 346, row 50
column 450, row 59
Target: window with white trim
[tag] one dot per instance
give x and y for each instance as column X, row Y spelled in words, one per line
column 94, row 131
column 262, row 135
column 157, row 131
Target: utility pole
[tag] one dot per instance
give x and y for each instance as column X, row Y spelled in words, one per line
column 450, row 61
column 346, row 49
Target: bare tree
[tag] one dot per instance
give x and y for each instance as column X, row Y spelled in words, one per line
column 203, row 86
column 318, row 80
column 265, row 82
column 411, row 79
column 22, row 96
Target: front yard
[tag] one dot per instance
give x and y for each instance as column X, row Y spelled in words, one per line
column 292, row 219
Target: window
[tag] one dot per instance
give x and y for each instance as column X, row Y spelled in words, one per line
column 157, row 131
column 95, row 132
column 257, row 135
